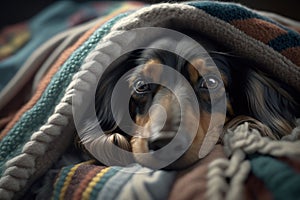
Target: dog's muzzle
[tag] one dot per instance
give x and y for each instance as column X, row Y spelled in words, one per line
column 166, row 129
column 161, row 139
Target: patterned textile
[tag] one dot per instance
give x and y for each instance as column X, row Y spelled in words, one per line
column 276, row 36
column 257, row 168
column 58, row 17
column 89, row 181
column 43, row 128
column 39, row 108
column 13, row 38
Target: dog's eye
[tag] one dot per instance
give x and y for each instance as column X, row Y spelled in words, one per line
column 140, row 86
column 209, row 82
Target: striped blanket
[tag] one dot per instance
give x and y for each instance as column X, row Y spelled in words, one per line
column 35, row 137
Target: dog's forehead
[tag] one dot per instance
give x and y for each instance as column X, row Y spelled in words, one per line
column 154, row 70
column 190, row 57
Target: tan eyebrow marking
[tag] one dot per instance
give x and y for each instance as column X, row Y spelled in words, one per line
column 194, row 67
column 198, row 68
column 153, row 69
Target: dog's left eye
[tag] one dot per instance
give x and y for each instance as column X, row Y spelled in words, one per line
column 209, row 82
column 141, row 86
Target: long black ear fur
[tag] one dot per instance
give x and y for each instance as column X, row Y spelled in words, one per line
column 105, row 89
column 269, row 101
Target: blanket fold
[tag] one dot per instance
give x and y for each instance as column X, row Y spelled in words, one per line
column 43, row 128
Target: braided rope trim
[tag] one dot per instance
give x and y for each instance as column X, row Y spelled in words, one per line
column 20, row 168
column 237, row 144
column 236, row 168
column 100, row 57
column 151, row 16
column 251, row 141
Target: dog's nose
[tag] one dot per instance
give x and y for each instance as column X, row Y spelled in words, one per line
column 160, row 140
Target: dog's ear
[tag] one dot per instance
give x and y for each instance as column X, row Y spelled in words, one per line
column 270, row 102
column 103, row 97
column 104, row 92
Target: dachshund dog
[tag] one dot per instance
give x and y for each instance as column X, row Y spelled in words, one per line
column 248, row 92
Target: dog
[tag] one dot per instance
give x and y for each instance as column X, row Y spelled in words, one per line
column 248, row 93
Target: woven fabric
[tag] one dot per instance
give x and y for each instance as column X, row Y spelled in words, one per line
column 244, row 31
column 279, row 177
column 89, row 181
column 13, row 38
column 27, row 142
column 263, row 29
column 56, row 18
column 34, row 119
column 37, row 115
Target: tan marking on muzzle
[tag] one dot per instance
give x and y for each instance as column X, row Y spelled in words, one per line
column 171, row 105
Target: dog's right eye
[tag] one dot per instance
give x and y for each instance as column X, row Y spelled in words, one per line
column 141, row 86
column 210, row 82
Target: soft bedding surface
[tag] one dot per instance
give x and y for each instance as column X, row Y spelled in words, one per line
column 36, row 137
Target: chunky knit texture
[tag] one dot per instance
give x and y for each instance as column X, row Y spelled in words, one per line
column 274, row 47
column 26, row 148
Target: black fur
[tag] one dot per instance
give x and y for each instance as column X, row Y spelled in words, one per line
column 250, row 92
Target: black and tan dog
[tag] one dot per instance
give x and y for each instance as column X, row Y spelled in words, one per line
column 248, row 92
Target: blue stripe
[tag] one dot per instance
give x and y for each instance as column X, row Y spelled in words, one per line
column 282, row 42
column 282, row 181
column 102, row 182
column 226, row 11
column 112, row 188
column 231, row 11
column 60, row 182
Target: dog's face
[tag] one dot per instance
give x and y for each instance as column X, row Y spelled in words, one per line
column 160, row 127
column 157, row 108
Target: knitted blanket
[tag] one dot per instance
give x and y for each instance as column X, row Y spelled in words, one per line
column 246, row 166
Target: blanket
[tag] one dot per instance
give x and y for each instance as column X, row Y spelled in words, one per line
column 37, row 135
